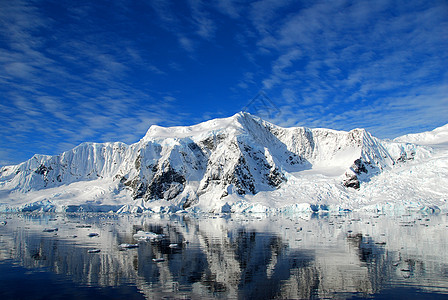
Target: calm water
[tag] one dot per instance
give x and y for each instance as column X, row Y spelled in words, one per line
column 236, row 257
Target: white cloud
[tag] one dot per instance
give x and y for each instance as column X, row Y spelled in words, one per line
column 338, row 64
column 164, row 12
column 56, row 97
column 280, row 66
column 186, row 43
column 229, row 7
column 329, row 55
column 205, row 25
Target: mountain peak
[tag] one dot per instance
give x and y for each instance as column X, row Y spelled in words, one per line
column 235, row 122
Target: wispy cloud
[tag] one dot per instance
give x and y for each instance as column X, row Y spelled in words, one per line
column 370, row 54
column 205, row 25
column 187, row 28
column 58, row 91
column 186, row 43
column 232, row 8
column 105, row 71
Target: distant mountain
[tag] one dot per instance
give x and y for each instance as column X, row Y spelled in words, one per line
column 241, row 163
column 434, row 137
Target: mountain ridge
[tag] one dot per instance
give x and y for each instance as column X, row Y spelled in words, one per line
column 205, row 167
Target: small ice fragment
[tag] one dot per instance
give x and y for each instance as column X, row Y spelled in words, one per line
column 146, row 236
column 92, row 234
column 50, row 230
column 158, row 259
column 93, row 250
column 129, row 246
column 405, row 270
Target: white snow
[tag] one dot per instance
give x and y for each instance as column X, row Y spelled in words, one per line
column 435, row 137
column 238, row 164
column 178, row 132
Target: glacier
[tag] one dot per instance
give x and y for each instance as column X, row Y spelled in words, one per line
column 240, row 164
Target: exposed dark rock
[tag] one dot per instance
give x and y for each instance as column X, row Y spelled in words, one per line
column 189, row 202
column 405, row 157
column 137, row 162
column 43, row 170
column 212, row 142
column 359, row 167
column 242, row 178
column 194, row 147
column 137, row 186
column 275, row 178
column 352, row 182
column 294, row 159
column 166, row 184
column 208, row 143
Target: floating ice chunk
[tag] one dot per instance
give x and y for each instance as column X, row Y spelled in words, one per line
column 129, row 246
column 158, row 259
column 147, row 236
column 50, row 229
column 405, row 270
column 93, row 250
column 92, row 234
column 83, row 226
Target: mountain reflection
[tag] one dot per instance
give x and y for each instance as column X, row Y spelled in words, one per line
column 264, row 257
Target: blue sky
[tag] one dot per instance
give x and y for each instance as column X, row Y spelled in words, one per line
column 75, row 71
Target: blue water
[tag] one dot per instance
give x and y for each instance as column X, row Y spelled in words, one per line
column 225, row 257
column 17, row 282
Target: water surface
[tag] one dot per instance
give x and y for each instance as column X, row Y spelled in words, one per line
column 224, row 256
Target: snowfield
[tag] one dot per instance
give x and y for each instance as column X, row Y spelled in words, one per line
column 240, row 164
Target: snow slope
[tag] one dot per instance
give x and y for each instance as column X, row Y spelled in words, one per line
column 435, row 137
column 236, row 164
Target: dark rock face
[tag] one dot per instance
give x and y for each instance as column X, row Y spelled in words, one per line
column 189, row 202
column 406, row 156
column 43, row 170
column 251, row 171
column 166, row 184
column 352, row 182
column 359, row 167
column 136, row 185
column 242, row 178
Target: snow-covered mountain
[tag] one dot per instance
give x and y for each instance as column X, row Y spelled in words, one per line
column 435, row 137
column 241, row 163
